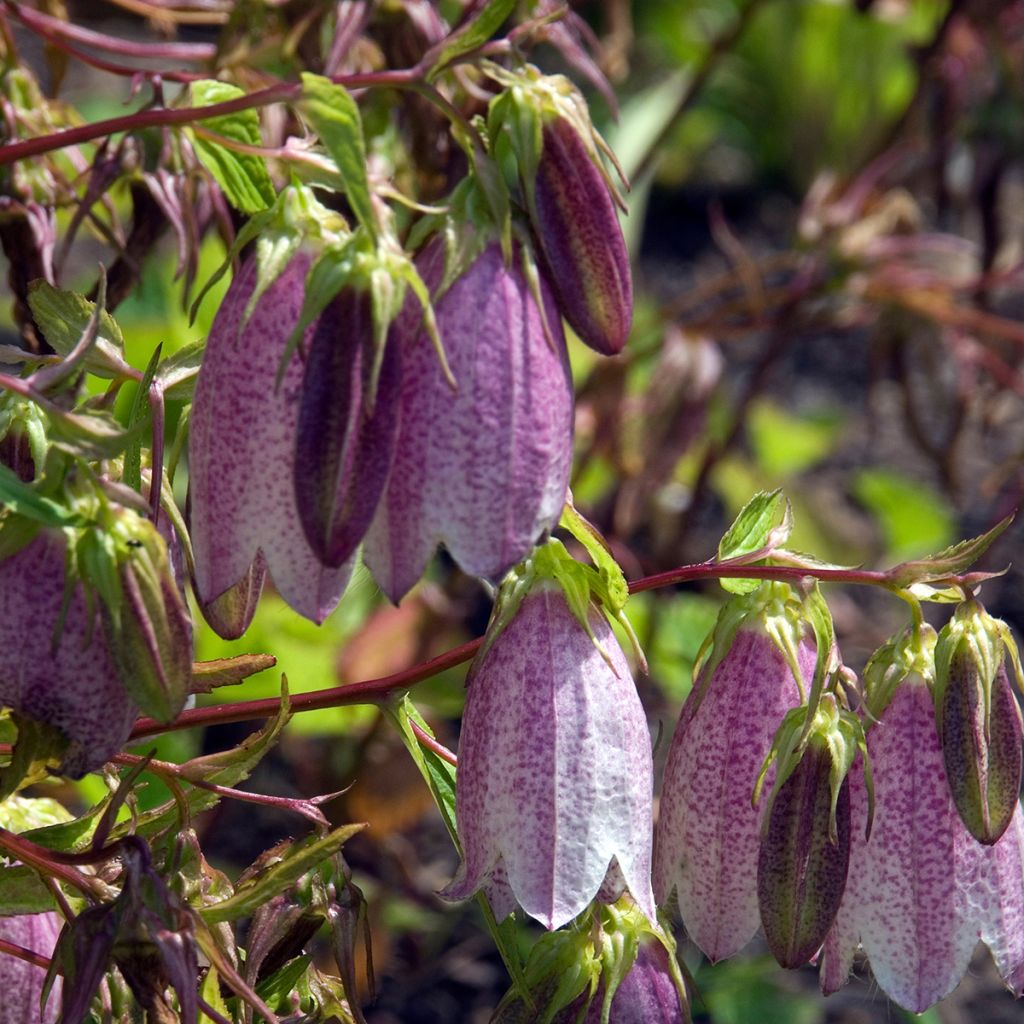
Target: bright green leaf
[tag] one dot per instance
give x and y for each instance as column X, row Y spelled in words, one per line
column 473, row 34
column 334, row 116
column 914, row 519
column 243, row 177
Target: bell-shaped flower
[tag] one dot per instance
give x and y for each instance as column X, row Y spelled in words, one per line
column 482, row 468
column 55, row 663
column 708, row 835
column 242, row 452
column 554, row 791
column 921, row 891
column 21, row 982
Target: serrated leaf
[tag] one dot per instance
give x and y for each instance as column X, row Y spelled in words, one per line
column 472, row 35
column 209, row 992
column 22, row 891
column 207, row 675
column 753, row 530
column 63, row 316
column 178, row 372
column 610, row 571
column 949, row 562
column 303, row 856
column 243, row 177
column 750, row 530
column 334, row 116
column 20, row 497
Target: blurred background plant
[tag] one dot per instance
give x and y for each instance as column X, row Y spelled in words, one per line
column 828, row 254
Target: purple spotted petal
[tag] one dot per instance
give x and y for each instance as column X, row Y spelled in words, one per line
column 1002, row 911
column 555, row 773
column 707, row 840
column 482, row 469
column 75, row 687
column 21, row 983
column 919, row 893
column 242, row 452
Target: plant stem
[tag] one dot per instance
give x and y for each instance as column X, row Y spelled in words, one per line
column 373, row 691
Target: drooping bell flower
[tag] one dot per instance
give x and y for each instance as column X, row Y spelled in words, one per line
column 242, row 452
column 482, row 468
column 921, row 891
column 67, row 677
column 708, row 834
column 21, row 982
column 979, row 720
column 554, row 792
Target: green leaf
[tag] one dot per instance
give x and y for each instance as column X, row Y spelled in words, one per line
column 207, row 675
column 752, row 526
column 132, row 472
column 178, row 372
column 754, row 530
column 18, row 496
column 597, row 547
column 786, row 444
column 64, row 316
column 472, row 35
column 302, row 857
column 948, row 562
column 334, row 116
column 243, row 177
column 209, row 992
column 22, row 891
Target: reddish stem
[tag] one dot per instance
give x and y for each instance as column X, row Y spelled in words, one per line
column 28, row 955
column 48, row 26
column 428, row 741
column 283, row 92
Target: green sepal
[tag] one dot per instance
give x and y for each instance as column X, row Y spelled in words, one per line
column 477, row 31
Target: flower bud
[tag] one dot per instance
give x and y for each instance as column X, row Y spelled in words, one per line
column 55, row 663
column 580, row 240
column 706, row 846
column 343, row 447
column 148, row 629
column 21, row 982
column 979, row 721
column 650, row 991
column 483, row 468
column 804, row 855
column 554, row 794
column 242, row 450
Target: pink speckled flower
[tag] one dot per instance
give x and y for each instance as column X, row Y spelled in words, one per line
column 73, row 685
column 21, row 983
column 242, row 455
column 707, row 841
column 482, row 469
column 922, row 891
column 554, row 792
